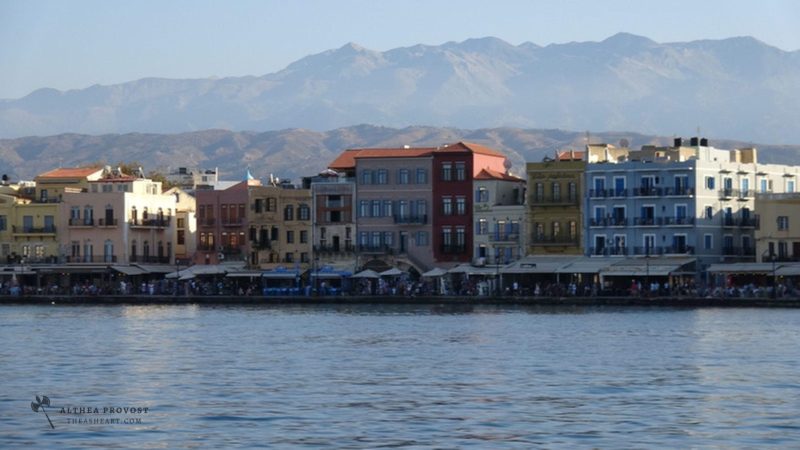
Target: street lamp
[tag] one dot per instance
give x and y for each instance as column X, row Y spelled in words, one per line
column 178, row 278
column 772, row 257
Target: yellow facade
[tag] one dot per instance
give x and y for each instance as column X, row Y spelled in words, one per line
column 280, row 227
column 555, row 207
column 778, row 233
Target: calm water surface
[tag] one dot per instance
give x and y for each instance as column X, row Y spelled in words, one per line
column 415, row 377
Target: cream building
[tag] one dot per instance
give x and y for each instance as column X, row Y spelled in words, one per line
column 779, row 232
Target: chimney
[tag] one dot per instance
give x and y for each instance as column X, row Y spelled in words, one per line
column 694, row 142
column 678, row 142
column 704, row 142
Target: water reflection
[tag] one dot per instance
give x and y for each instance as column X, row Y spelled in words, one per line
column 363, row 376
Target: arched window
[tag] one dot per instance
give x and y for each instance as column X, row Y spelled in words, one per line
column 108, row 251
column 146, row 249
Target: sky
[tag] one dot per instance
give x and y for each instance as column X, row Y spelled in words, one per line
column 78, row 43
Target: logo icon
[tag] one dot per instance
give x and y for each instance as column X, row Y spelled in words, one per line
column 40, row 403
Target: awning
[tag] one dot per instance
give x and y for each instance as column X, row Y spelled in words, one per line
column 585, row 264
column 156, row 268
column 330, row 275
column 742, row 268
column 788, row 270
column 129, row 270
column 10, row 270
column 393, row 272
column 245, row 274
column 435, row 272
column 366, row 274
column 280, row 274
column 641, row 267
column 469, row 270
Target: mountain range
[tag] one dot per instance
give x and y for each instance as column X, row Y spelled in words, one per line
column 294, row 153
column 739, row 88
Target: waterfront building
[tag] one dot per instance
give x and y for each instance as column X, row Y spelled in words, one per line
column 455, row 167
column 333, row 232
column 499, row 233
column 194, row 178
column 279, row 221
column 679, row 200
column 555, row 204
column 185, row 225
column 778, row 234
column 222, row 223
column 118, row 218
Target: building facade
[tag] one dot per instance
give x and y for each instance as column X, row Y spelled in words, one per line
column 279, row 220
column 778, row 235
column 555, row 204
column 222, row 223
column 499, row 214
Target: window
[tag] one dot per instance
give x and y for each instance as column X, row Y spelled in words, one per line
column 288, row 212
column 272, row 204
column 461, row 237
column 304, row 212
column 402, row 209
column 422, row 239
column 539, row 233
column 539, row 192
column 383, row 176
column 447, row 236
column 180, row 222
column 447, row 206
column 483, row 226
column 573, row 191
column 422, row 208
column 573, row 230
column 304, row 236
column 790, row 186
column 710, row 183
column 783, row 250
column 387, row 208
column 3, row 223
column 422, row 176
column 304, row 257
column 745, row 184
column 43, row 196
column 376, row 208
column 556, row 191
column 289, row 257
column 461, row 206
column 447, row 171
column 461, row 171
column 88, row 215
column 181, row 237
column 708, row 241
column 388, row 238
column 366, row 176
column 482, row 195
column 363, row 208
column 709, row 212
column 403, row 176
column 75, row 213
column 783, row 223
column 556, row 229
column 764, row 185
column 289, row 236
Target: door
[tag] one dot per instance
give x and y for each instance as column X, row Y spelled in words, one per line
column 403, row 239
column 336, row 243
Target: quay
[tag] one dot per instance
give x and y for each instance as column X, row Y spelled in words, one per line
column 462, row 301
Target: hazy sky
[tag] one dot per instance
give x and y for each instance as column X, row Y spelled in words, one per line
column 74, row 44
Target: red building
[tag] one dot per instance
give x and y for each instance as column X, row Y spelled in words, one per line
column 454, row 167
column 222, row 224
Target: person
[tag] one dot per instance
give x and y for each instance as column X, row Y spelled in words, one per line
column 515, row 285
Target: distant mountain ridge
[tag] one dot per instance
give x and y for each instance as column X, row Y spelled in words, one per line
column 294, row 153
column 737, row 87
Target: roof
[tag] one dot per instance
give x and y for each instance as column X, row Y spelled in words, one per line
column 70, row 172
column 347, row 159
column 571, row 155
column 489, row 174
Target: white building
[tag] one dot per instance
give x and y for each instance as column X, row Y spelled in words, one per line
column 499, row 235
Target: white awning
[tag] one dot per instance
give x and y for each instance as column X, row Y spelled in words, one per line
column 156, row 268
column 742, row 268
column 366, row 274
column 435, row 272
column 585, row 264
column 641, row 267
column 469, row 269
column 129, row 270
column 393, row 272
column 787, row 270
column 245, row 274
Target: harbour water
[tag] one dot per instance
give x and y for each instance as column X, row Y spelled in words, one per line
column 361, row 376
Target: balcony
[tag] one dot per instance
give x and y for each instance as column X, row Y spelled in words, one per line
column 411, row 220
column 647, row 221
column 150, row 223
column 597, row 193
column 678, row 221
column 554, row 200
column 325, row 249
column 741, row 222
column 375, row 249
column 608, row 222
column 648, row 251
column 92, row 259
column 503, row 237
column 679, row 250
column 149, row 259
column 679, row 191
column 554, row 240
column 616, row 193
column 728, row 193
column 232, row 223
column 51, row 229
column 648, row 191
column 80, row 223
column 206, row 222
column 231, row 250
column 262, row 245
column 452, row 249
column 106, row 223
column 739, row 251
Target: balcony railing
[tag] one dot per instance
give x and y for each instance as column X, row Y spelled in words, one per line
column 679, row 191
column 744, row 222
column 739, row 251
column 107, row 222
column 92, row 259
column 503, row 237
column 262, row 245
column 232, row 223
column 672, row 221
column 642, row 251
column 453, row 249
column 375, row 249
column 553, row 200
column 554, row 240
column 149, row 259
column 735, row 193
column 347, row 248
column 51, row 229
column 206, row 222
column 608, row 222
column 647, row 221
column 412, row 220
column 648, row 191
column 78, row 222
column 150, row 223
column 648, row 251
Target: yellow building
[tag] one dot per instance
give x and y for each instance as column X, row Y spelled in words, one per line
column 778, row 230
column 555, row 204
column 279, row 218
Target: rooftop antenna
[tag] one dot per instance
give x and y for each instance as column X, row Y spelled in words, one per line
column 588, row 138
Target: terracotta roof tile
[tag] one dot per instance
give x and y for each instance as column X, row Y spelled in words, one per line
column 70, row 172
column 573, row 156
column 347, row 159
column 489, row 174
